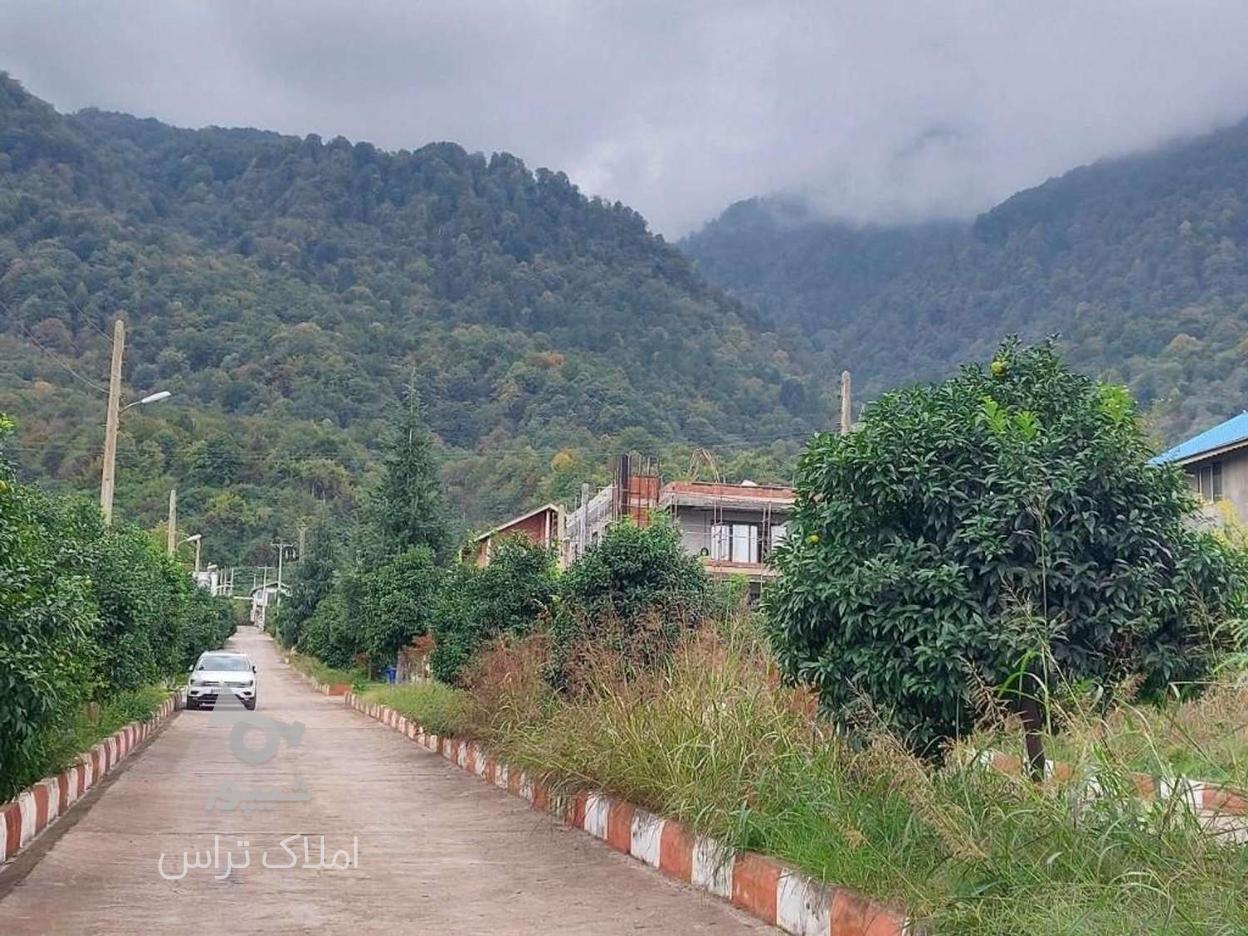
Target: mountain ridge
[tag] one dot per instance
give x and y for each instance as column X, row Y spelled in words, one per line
column 1123, row 258
column 288, row 289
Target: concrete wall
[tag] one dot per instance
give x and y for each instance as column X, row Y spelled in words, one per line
column 1234, row 484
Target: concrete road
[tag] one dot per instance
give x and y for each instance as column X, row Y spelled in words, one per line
column 421, row 847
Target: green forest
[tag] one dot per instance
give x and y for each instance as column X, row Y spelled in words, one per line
column 292, row 292
column 288, row 291
column 1140, row 264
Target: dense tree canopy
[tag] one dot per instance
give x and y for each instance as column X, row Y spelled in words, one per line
column 1140, row 263
column 86, row 612
column 286, row 289
column 1004, row 522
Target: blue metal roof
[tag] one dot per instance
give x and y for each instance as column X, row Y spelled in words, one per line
column 1220, row 436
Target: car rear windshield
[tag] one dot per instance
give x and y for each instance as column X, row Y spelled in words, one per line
column 222, row 663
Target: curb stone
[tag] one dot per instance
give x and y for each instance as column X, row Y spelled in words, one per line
column 38, row 806
column 760, row 886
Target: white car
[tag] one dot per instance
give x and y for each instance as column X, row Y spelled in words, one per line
column 218, row 672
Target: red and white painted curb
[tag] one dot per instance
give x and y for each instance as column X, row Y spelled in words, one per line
column 1200, row 796
column 761, row 886
column 40, row 805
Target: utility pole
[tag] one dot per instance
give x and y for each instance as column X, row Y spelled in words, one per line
column 110, row 425
column 199, row 542
column 847, row 419
column 303, row 539
column 281, row 551
column 171, row 533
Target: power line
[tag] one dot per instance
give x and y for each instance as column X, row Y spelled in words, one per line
column 82, row 315
column 38, row 344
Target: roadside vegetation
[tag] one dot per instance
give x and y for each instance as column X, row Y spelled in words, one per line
column 94, row 619
column 985, row 566
column 438, row 708
column 318, row 670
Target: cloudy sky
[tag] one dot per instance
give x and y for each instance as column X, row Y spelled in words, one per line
column 878, row 110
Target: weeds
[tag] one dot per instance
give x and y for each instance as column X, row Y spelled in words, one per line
column 92, row 724
column 437, row 707
column 311, row 666
column 713, row 739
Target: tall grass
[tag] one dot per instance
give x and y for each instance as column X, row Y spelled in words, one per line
column 433, row 705
column 713, row 739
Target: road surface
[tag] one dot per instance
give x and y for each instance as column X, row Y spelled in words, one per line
column 420, row 846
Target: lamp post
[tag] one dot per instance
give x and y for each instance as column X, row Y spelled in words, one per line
column 108, row 474
column 198, row 540
column 150, row 398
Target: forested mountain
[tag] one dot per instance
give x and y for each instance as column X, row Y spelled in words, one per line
column 287, row 290
column 1140, row 263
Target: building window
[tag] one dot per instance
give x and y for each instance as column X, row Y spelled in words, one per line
column 735, row 542
column 1207, row 481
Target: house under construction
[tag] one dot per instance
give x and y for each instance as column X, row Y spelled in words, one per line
column 733, row 528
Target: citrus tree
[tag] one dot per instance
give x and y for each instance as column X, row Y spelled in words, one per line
column 510, row 596
column 1001, row 530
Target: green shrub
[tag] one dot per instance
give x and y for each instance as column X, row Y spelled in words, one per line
column 311, row 580
column 205, row 623
column 140, row 592
column 398, row 605
column 87, row 612
column 329, row 635
column 47, row 624
column 475, row 605
column 633, row 592
column 1005, row 530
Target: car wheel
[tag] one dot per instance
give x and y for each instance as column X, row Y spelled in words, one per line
column 191, row 705
column 250, row 706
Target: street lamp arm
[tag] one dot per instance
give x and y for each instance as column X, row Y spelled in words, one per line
column 150, row 398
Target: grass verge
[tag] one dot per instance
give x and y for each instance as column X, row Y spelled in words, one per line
column 92, row 725
column 435, row 706
column 311, row 666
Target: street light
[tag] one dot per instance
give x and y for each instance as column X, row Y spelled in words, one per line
column 197, row 539
column 108, row 472
column 110, row 435
column 150, row 398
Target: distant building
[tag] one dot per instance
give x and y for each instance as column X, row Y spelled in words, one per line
column 733, row 527
column 544, row 526
column 262, row 596
column 210, row 580
column 634, row 493
column 1216, row 462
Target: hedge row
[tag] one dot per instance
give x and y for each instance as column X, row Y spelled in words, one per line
column 89, row 611
column 630, row 584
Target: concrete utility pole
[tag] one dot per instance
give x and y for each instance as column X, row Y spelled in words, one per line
column 847, row 418
column 110, row 425
column 171, row 534
column 281, row 551
column 198, row 540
